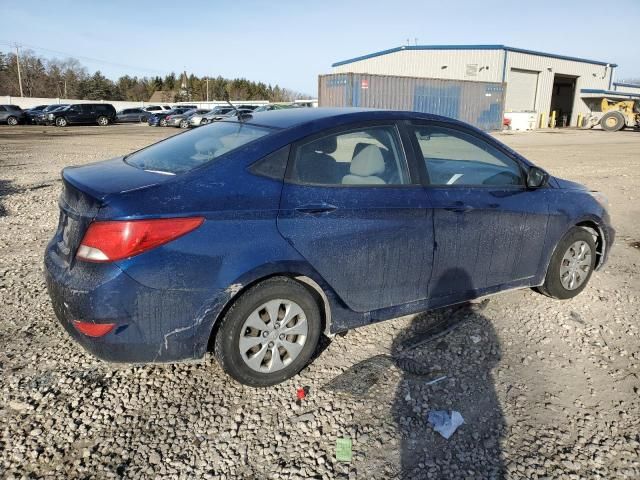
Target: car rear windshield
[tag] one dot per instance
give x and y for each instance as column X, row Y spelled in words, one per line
column 189, row 150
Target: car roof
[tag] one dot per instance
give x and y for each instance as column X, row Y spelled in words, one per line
column 291, row 117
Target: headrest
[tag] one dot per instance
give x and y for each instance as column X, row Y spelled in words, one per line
column 326, row 144
column 368, row 162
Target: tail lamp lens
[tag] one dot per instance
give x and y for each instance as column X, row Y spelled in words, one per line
column 116, row 240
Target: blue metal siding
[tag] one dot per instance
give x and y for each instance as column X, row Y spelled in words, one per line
column 478, row 103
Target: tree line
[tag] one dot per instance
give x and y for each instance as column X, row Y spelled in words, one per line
column 68, row 78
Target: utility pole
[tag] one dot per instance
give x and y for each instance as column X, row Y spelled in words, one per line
column 207, row 89
column 18, row 62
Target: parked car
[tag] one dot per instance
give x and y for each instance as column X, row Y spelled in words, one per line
column 256, row 236
column 160, row 119
column 32, row 114
column 216, row 113
column 43, row 117
column 129, row 115
column 208, row 118
column 182, row 120
column 157, row 108
column 84, row 114
column 274, row 106
column 11, row 114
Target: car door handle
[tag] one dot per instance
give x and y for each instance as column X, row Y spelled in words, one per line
column 459, row 207
column 316, row 208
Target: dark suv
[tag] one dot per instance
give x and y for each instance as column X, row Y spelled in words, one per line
column 11, row 114
column 84, row 113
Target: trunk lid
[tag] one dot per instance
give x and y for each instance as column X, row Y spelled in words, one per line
column 85, row 190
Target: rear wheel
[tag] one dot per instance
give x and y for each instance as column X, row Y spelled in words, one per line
column 612, row 121
column 163, row 122
column 103, row 121
column 571, row 265
column 13, row 121
column 61, row 122
column 269, row 334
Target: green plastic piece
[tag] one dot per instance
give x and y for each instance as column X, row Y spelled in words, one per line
column 343, row 449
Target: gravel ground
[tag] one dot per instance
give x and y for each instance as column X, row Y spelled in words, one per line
column 547, row 389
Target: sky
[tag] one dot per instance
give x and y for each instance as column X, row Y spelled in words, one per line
column 290, row 43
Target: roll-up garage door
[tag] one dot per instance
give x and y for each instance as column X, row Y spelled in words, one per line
column 521, row 90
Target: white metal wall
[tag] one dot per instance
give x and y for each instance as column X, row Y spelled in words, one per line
column 444, row 64
column 626, row 88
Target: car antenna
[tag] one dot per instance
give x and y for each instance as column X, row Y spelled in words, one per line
column 235, row 109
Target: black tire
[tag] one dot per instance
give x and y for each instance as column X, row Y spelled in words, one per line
column 227, row 349
column 61, row 122
column 184, row 124
column 102, row 121
column 552, row 286
column 163, row 122
column 612, row 121
column 13, row 121
column 204, row 121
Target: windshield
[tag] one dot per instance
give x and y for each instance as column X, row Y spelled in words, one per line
column 189, row 150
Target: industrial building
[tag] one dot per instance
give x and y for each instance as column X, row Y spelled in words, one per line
column 534, row 82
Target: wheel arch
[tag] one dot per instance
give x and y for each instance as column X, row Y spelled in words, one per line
column 302, row 275
column 596, row 230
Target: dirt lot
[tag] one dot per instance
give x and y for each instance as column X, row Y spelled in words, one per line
column 547, row 389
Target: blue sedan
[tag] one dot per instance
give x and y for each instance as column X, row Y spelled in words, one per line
column 253, row 236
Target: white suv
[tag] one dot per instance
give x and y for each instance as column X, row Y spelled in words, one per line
column 157, row 108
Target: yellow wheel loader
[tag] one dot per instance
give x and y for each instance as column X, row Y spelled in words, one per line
column 613, row 114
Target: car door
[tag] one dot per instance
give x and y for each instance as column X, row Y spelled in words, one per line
column 353, row 208
column 489, row 227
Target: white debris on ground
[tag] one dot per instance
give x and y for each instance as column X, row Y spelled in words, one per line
column 547, row 389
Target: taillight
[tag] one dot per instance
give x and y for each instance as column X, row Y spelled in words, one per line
column 93, row 329
column 168, row 117
column 114, row 240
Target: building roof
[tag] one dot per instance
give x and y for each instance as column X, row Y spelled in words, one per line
column 469, row 47
column 597, row 93
column 162, row 96
column 623, row 84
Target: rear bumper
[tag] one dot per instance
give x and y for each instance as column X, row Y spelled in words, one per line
column 151, row 325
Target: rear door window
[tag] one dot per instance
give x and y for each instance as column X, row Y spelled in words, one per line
column 189, row 150
column 361, row 156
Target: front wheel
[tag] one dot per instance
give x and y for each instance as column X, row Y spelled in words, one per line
column 571, row 265
column 269, row 334
column 61, row 122
column 204, row 121
column 184, row 124
column 612, row 121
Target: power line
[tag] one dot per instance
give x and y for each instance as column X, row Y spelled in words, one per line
column 84, row 57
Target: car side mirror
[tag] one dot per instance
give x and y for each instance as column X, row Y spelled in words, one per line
column 537, row 178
